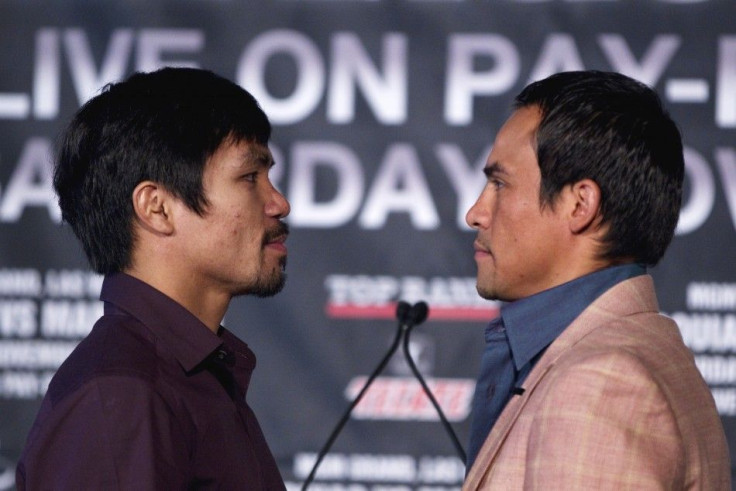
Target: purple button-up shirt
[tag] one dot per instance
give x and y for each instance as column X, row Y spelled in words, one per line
column 150, row 399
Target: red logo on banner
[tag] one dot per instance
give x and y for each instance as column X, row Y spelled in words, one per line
column 402, row 398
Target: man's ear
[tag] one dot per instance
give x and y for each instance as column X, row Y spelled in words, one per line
column 586, row 204
column 153, row 206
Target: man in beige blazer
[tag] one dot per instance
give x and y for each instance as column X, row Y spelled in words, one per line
column 583, row 384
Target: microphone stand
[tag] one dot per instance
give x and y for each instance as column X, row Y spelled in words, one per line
column 402, row 310
column 408, row 316
column 421, row 314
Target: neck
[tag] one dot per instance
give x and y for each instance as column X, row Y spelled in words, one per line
column 207, row 306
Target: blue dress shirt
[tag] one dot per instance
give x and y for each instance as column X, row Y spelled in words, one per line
column 518, row 337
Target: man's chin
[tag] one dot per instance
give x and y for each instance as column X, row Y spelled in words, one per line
column 271, row 289
column 485, row 292
column 267, row 287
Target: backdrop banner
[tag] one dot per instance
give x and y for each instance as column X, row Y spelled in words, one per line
column 384, row 112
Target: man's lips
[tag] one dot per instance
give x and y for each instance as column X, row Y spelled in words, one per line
column 276, row 238
column 277, row 243
column 481, row 251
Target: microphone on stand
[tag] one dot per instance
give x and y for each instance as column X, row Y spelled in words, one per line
column 403, row 311
column 418, row 314
column 408, row 317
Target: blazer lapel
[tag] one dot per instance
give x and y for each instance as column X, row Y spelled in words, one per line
column 628, row 297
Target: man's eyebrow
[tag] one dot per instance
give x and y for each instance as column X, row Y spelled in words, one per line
column 259, row 157
column 494, row 169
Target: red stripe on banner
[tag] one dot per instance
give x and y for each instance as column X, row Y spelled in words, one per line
column 388, row 311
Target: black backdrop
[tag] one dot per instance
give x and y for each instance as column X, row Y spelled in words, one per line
column 384, row 111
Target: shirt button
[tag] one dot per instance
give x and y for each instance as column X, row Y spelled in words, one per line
column 225, row 357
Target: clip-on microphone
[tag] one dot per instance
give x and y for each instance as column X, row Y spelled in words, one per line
column 408, row 316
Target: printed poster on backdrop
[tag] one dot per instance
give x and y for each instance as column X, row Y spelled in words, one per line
column 384, row 112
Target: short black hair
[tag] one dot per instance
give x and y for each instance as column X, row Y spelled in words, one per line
column 161, row 126
column 613, row 130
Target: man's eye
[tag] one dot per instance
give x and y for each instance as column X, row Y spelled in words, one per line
column 251, row 177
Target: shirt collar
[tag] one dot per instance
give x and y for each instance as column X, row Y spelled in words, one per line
column 532, row 323
column 189, row 340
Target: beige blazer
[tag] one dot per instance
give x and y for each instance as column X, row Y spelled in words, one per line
column 616, row 402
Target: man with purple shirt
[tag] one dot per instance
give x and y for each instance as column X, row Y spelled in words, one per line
column 164, row 180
